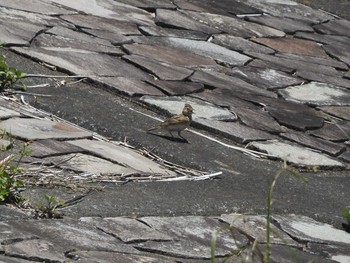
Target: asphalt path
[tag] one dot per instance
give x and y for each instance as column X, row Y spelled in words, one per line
column 242, row 187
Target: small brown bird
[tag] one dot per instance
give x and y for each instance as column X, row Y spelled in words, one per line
column 177, row 123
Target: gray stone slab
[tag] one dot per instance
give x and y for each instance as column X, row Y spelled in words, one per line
column 317, row 93
column 64, row 38
column 326, row 61
column 172, row 32
column 71, row 235
column 85, row 63
column 130, row 87
column 284, row 24
column 192, row 236
column 288, row 113
column 159, row 69
column 114, row 38
column 239, row 44
column 35, row 129
column 289, row 64
column 231, row 86
column 121, row 155
column 10, row 235
column 45, row 148
column 337, row 132
column 126, row 229
column 340, row 112
column 307, row 229
column 235, row 131
column 224, row 7
column 177, row 88
column 18, row 32
column 340, row 52
column 202, row 109
column 269, row 79
column 177, row 19
column 90, row 164
column 315, row 143
column 107, row 257
column 255, row 227
column 207, row 49
column 11, row 213
column 339, row 27
column 36, row 6
column 324, row 39
column 293, row 45
column 169, row 55
column 290, row 9
column 109, row 9
column 337, row 252
column 345, row 156
column 235, row 26
column 333, row 80
column 296, row 154
column 40, row 250
column 258, row 119
column 6, row 113
column 6, row 259
column 102, row 23
column 150, row 5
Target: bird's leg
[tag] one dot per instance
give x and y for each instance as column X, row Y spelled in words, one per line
column 171, row 134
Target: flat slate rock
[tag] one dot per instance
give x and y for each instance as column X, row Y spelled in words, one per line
column 192, row 234
column 328, row 147
column 85, row 63
column 234, row 26
column 12, row 259
column 150, row 5
column 265, row 78
column 102, row 23
column 290, row 9
column 45, row 148
column 255, row 227
column 177, row 19
column 176, row 88
column 223, row 7
column 288, row 113
column 239, row 44
column 289, row 64
column 258, row 119
column 207, row 49
column 345, row 156
column 6, row 113
column 36, row 6
column 64, row 38
column 324, row 39
column 127, row 230
column 235, row 131
column 306, row 229
column 130, row 87
column 121, row 155
column 202, row 109
column 159, row 69
column 228, row 85
column 172, row 32
column 338, row 253
column 332, row 80
column 284, row 24
column 337, row 132
column 340, row 112
column 340, row 52
column 39, row 129
column 114, row 38
column 107, row 257
column 84, row 163
column 296, row 154
column 317, row 93
column 339, row 27
column 18, row 32
column 293, row 45
column 169, row 55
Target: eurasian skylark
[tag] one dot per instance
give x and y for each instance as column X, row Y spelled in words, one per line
column 177, row 123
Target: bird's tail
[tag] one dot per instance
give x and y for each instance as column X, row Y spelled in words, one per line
column 154, row 128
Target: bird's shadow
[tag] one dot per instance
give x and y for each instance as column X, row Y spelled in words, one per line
column 170, row 138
